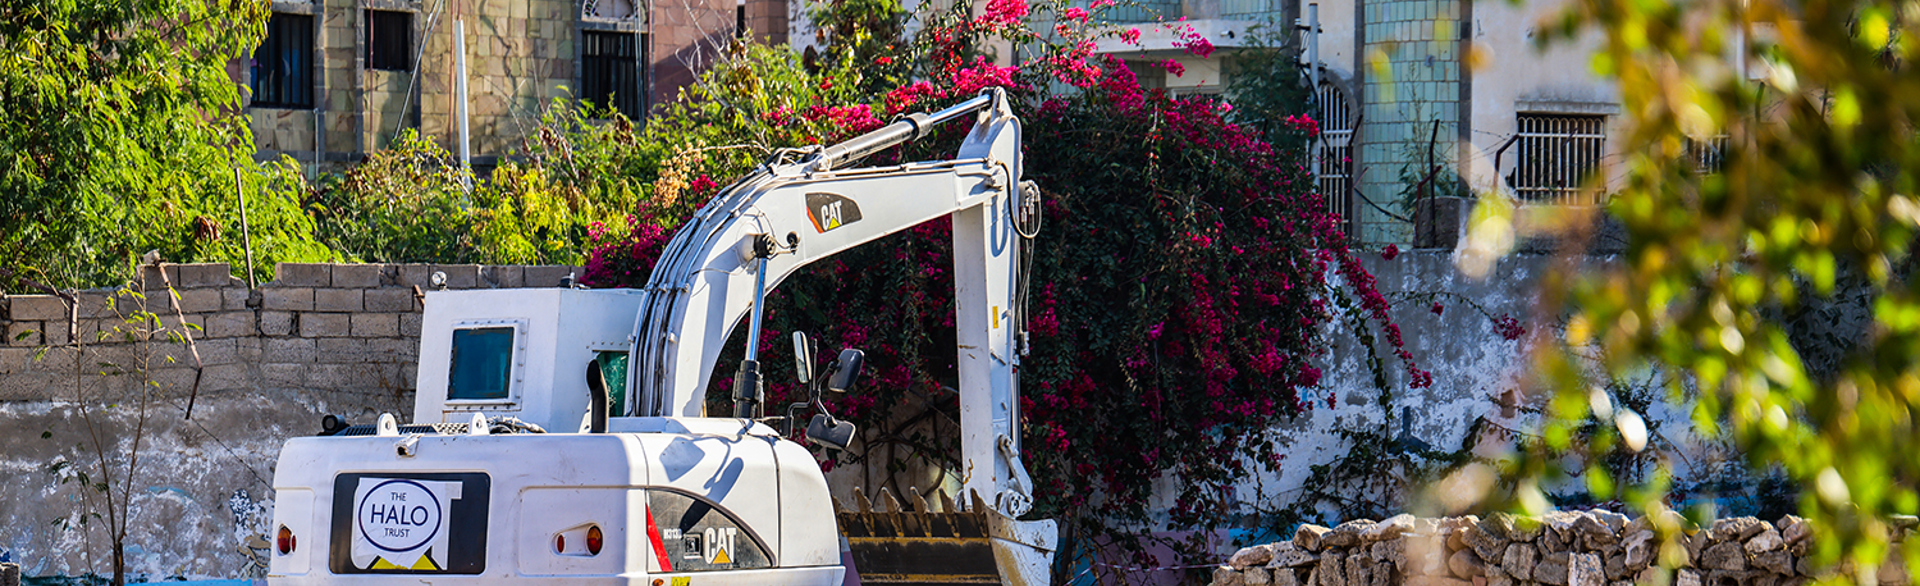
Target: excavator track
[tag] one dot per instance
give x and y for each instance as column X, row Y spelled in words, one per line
column 894, row 545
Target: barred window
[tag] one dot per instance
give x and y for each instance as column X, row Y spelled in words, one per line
column 283, row 63
column 1335, row 151
column 1557, row 152
column 610, row 71
column 389, row 40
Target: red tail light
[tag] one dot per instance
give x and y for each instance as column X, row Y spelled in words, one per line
column 285, row 540
column 593, row 540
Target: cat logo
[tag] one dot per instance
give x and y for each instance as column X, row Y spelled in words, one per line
column 720, row 545
column 829, row 211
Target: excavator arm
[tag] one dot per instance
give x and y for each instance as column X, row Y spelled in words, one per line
column 794, row 211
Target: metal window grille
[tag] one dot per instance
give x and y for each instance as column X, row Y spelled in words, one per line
column 1335, row 151
column 1708, row 156
column 1557, row 153
column 283, row 63
column 389, row 40
column 610, row 71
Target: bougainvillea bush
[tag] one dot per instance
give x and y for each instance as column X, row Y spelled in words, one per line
column 1179, row 282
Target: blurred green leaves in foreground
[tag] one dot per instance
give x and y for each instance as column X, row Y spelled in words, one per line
column 1813, row 207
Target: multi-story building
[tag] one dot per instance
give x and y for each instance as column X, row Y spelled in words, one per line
column 1459, row 83
column 335, row 79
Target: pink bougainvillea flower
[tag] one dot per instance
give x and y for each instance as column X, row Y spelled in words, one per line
column 703, row 184
column 1391, row 251
column 883, row 60
column 1075, row 13
column 1174, row 67
column 1438, row 308
column 1001, row 13
column 1508, row 327
column 1130, row 36
column 982, row 75
column 1099, row 4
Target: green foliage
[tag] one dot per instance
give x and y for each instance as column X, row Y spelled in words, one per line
column 1819, row 179
column 119, row 131
column 411, row 202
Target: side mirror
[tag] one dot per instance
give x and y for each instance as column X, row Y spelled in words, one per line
column 848, row 374
column 830, row 432
column 802, row 358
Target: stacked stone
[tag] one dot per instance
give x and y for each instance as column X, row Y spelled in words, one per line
column 1562, row 548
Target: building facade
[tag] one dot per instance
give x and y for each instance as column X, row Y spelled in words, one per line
column 336, row 79
column 1407, row 87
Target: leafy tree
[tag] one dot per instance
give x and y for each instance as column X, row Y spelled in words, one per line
column 120, row 129
column 1816, row 193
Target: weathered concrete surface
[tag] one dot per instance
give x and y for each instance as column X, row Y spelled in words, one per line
column 320, row 339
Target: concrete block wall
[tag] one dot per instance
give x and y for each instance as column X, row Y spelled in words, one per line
column 319, row 339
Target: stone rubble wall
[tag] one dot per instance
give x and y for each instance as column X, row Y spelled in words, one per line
column 1562, row 548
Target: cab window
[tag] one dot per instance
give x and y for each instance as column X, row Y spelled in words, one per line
column 482, row 364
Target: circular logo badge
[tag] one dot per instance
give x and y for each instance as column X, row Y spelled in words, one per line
column 399, row 515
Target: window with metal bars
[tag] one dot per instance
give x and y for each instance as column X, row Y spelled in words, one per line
column 389, row 40
column 283, row 63
column 1556, row 153
column 1708, row 156
column 1335, row 151
column 610, row 71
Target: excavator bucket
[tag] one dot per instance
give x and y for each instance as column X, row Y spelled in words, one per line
column 893, row 545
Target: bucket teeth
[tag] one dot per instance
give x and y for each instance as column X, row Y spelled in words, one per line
column 837, row 507
column 919, row 502
column 946, row 503
column 889, row 504
column 860, row 498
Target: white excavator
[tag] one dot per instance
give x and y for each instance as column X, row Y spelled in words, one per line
column 557, row 439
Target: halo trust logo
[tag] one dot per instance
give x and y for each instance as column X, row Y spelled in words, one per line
column 399, row 515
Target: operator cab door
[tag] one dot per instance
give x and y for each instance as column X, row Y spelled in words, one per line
column 714, row 501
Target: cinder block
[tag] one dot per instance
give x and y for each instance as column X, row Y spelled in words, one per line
column 299, row 350
column 292, row 274
column 55, row 333
column 284, row 374
column 375, row 325
column 410, row 325
column 215, row 274
column 14, row 360
column 506, row 277
column 460, row 276
column 547, row 275
column 98, row 304
column 222, row 351
column 336, row 299
column 287, row 298
column 226, row 377
column 237, row 298
column 414, row 275
column 190, row 300
column 248, row 348
column 361, row 276
column 24, row 334
column 389, row 300
column 324, row 325
column 336, row 377
column 37, row 307
column 229, row 324
column 401, row 350
column 277, row 323
column 341, row 351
